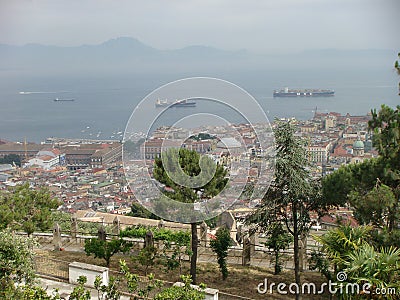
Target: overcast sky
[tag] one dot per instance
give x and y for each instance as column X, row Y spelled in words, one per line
column 255, row 25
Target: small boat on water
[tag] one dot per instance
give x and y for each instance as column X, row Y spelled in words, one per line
column 162, row 103
column 63, row 100
column 177, row 103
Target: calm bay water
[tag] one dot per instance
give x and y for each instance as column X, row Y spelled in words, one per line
column 103, row 104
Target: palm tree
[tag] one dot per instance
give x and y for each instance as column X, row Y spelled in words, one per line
column 337, row 244
column 379, row 269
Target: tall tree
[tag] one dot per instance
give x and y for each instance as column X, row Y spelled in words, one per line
column 385, row 125
column 293, row 192
column 189, row 163
column 360, row 177
column 374, row 207
column 23, row 208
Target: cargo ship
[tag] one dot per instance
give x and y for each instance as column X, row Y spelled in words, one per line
column 286, row 92
column 177, row 103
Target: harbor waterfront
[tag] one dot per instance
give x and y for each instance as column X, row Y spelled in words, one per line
column 104, row 105
column 332, row 139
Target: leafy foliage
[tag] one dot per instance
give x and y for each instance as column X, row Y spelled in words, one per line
column 189, row 163
column 319, row 262
column 176, row 243
column 172, row 253
column 366, row 185
column 372, row 189
column 278, row 239
column 79, row 292
column 220, row 246
column 348, row 250
column 338, row 243
column 133, row 282
column 361, row 177
column 64, row 220
column 16, row 261
column 186, row 292
column 29, row 292
column 385, row 238
column 109, row 291
column 385, row 125
column 106, row 249
column 146, row 257
column 373, row 207
column 17, row 272
column 137, row 210
column 379, row 268
column 23, row 208
column 212, row 223
column 293, row 192
column 159, row 234
column 202, row 136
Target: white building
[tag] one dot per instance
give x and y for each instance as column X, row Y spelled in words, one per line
column 47, row 159
column 319, row 153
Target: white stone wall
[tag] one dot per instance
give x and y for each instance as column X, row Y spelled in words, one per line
column 77, row 269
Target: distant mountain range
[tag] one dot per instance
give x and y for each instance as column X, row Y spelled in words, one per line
column 127, row 54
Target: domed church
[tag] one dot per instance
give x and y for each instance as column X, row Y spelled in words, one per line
column 358, row 148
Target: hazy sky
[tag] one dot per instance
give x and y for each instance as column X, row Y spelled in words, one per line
column 256, row 25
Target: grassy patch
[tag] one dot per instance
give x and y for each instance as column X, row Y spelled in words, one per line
column 241, row 281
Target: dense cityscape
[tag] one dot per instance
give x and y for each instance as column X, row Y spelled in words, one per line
column 89, row 174
column 199, row 150
column 99, row 188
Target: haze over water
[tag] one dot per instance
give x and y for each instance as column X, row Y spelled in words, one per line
column 104, row 104
column 108, row 55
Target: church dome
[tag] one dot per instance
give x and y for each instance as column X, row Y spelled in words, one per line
column 358, row 145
